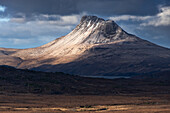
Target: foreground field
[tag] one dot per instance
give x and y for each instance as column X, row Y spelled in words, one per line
column 29, row 103
column 25, row 91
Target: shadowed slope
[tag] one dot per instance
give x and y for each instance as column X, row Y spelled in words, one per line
column 25, row 81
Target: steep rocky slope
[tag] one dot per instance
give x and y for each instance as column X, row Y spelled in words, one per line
column 95, row 47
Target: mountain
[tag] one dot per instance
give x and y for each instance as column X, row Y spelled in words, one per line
column 96, row 47
column 26, row 81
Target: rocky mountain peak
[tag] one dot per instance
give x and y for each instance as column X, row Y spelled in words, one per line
column 95, row 30
column 105, row 24
column 91, row 18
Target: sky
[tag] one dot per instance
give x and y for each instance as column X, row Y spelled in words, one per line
column 32, row 23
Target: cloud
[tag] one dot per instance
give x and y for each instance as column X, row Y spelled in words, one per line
column 4, row 19
column 68, row 7
column 51, row 19
column 58, row 19
column 160, row 19
column 2, row 8
column 22, row 32
column 130, row 17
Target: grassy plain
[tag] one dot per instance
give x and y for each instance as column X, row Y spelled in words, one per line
column 33, row 103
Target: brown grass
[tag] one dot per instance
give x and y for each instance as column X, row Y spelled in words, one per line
column 29, row 103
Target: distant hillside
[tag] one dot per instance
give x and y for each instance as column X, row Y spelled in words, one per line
column 25, row 81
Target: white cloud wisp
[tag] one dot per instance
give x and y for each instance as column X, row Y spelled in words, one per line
column 161, row 19
column 2, row 8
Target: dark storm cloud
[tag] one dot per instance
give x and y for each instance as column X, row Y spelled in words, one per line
column 28, row 7
column 117, row 7
column 99, row 7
